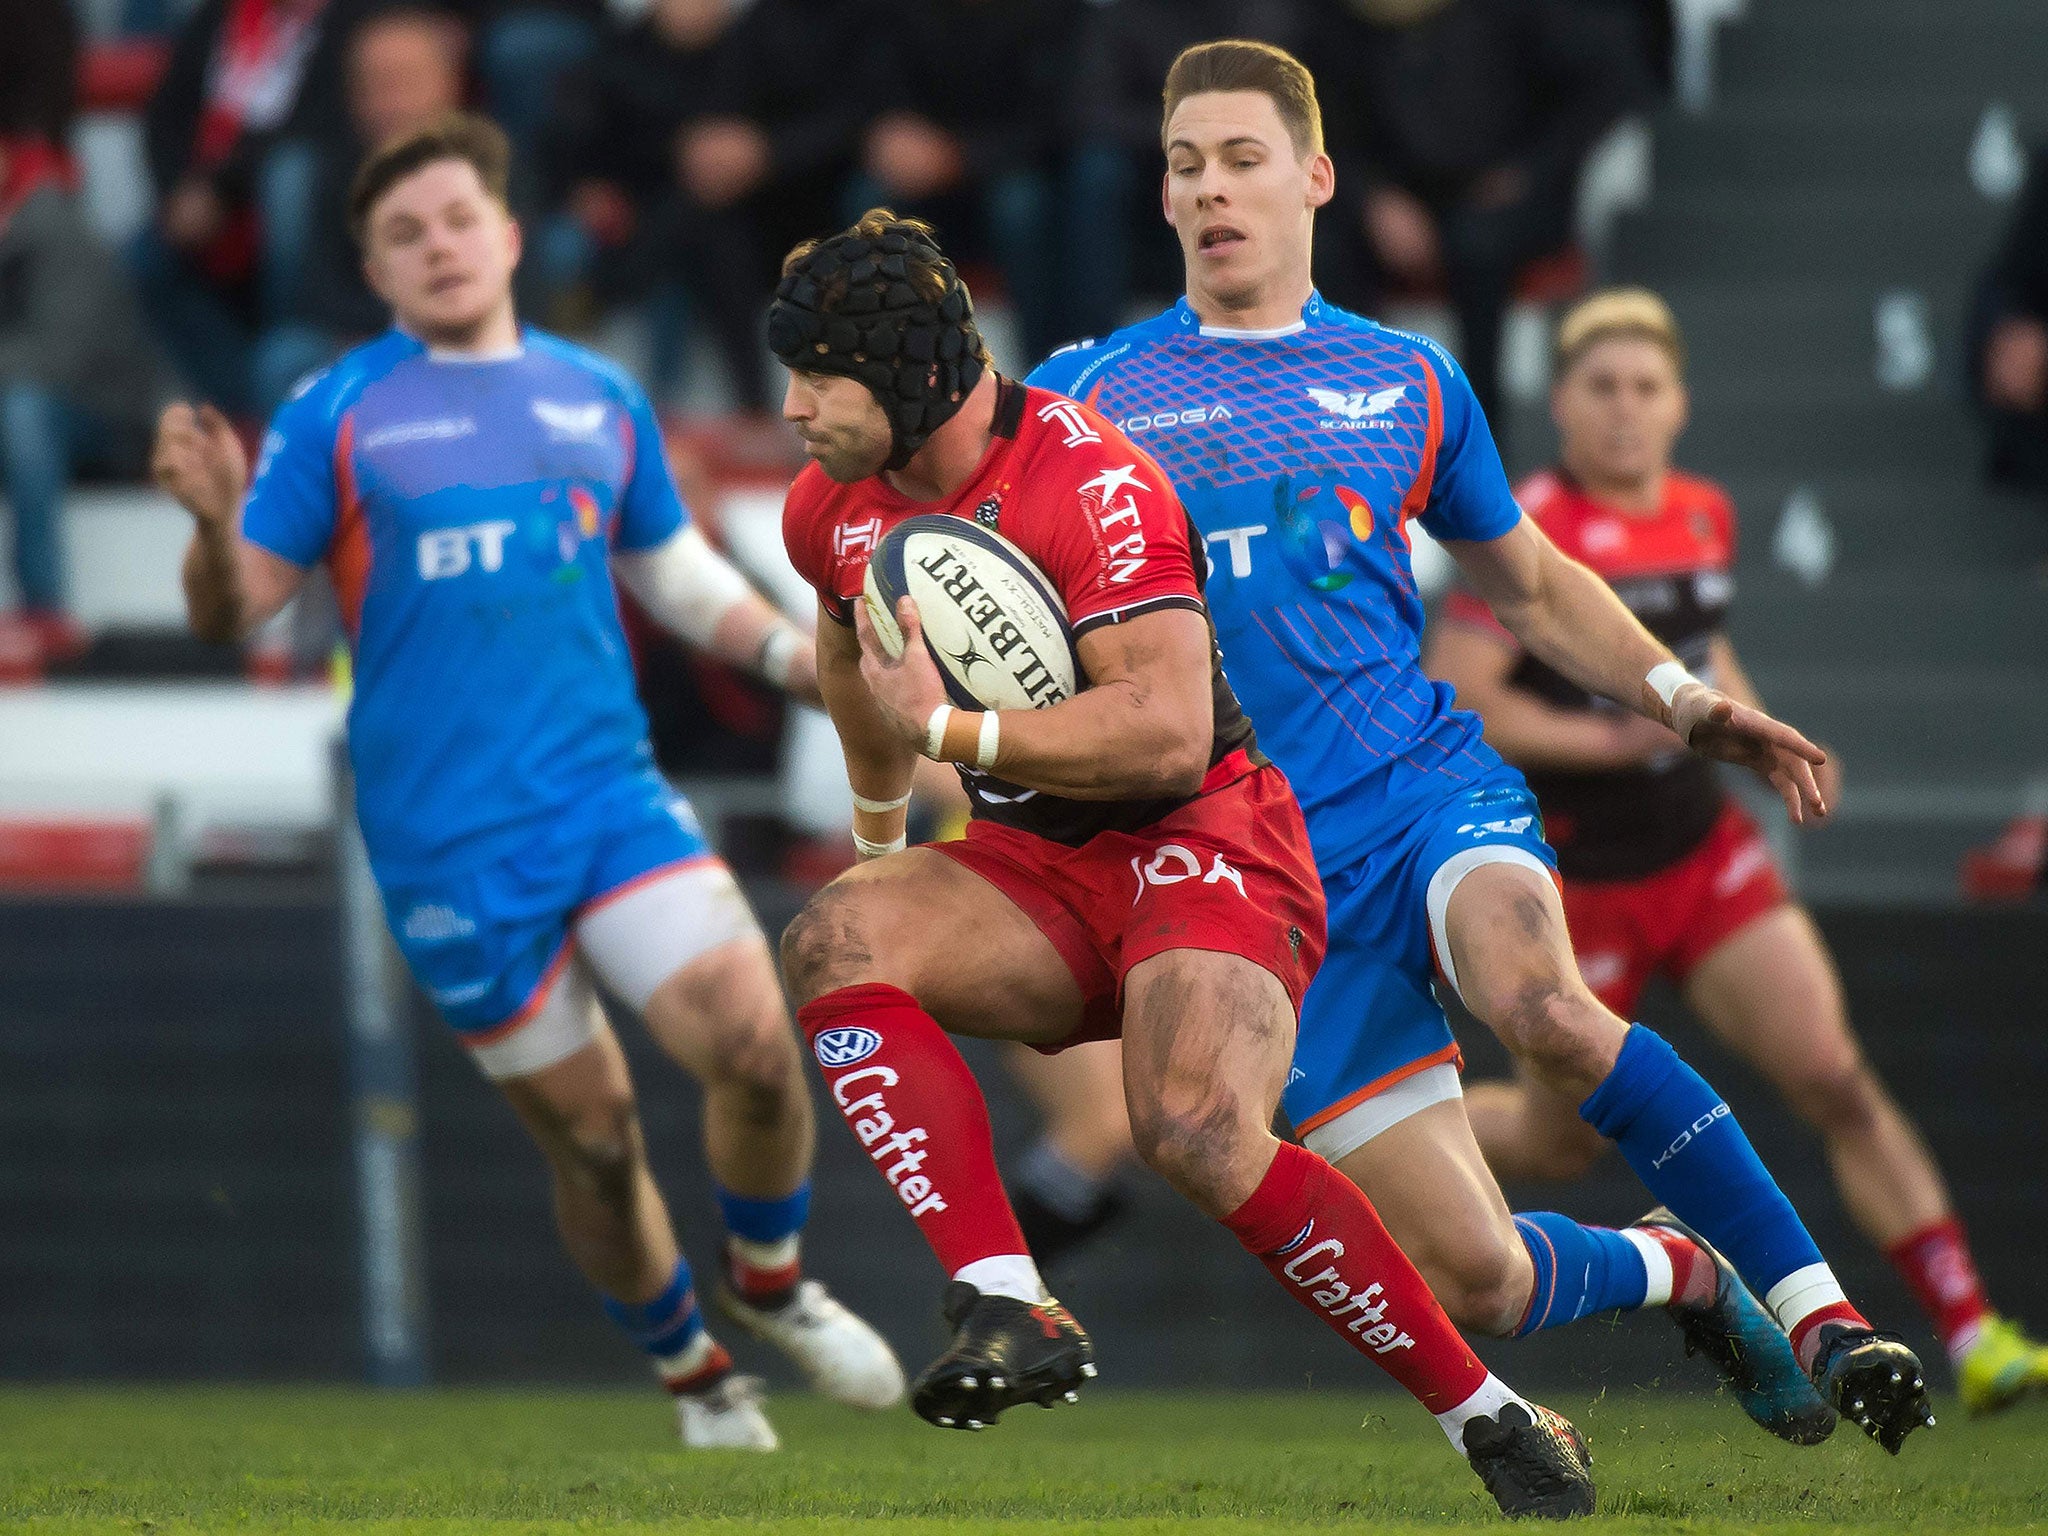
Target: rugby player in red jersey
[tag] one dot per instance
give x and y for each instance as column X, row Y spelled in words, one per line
column 1662, row 872
column 1134, row 865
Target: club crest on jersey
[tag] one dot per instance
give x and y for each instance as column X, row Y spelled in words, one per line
column 844, row 1046
column 1349, row 411
column 990, row 512
column 570, row 423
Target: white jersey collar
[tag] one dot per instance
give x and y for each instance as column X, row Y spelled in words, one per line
column 1309, row 311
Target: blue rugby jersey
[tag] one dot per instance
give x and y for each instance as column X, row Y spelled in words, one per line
column 1301, row 453
column 466, row 509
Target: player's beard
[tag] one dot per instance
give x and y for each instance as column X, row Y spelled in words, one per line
column 846, row 458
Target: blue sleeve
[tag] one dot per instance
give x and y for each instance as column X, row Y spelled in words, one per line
column 1058, row 372
column 651, row 510
column 1469, row 497
column 292, row 503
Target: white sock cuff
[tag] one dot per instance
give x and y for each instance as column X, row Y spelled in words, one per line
column 1656, row 1261
column 688, row 1360
column 1493, row 1395
column 1006, row 1274
column 1802, row 1293
column 773, row 1255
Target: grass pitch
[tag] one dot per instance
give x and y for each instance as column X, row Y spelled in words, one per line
column 158, row 1461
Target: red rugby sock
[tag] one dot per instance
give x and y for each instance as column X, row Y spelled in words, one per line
column 917, row 1111
column 1936, row 1265
column 1322, row 1240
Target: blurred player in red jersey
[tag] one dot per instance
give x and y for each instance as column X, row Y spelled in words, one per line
column 1134, row 864
column 1663, row 873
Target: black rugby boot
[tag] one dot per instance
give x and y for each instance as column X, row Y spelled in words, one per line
column 1536, row 1468
column 1005, row 1352
column 1874, row 1381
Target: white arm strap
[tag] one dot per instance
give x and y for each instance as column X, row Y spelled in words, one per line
column 684, row 584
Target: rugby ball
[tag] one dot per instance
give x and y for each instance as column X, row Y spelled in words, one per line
column 992, row 620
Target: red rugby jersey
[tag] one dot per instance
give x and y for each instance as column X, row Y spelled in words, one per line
column 1674, row 570
column 1097, row 517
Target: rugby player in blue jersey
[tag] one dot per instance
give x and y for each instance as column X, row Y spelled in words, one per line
column 473, row 487
column 1303, row 440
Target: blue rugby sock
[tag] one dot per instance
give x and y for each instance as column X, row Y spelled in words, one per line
column 1683, row 1143
column 763, row 1260
column 670, row 1330
column 1579, row 1271
column 765, row 1221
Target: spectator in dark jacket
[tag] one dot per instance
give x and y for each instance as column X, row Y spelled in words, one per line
column 693, row 150
column 38, row 68
column 1460, row 127
column 2009, row 343
column 966, row 132
column 252, row 86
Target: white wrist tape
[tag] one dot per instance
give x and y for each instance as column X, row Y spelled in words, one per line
column 990, row 738
column 876, row 807
column 935, row 733
column 869, row 849
column 778, row 652
column 1666, row 678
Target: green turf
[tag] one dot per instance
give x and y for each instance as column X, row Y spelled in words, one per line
column 163, row 1460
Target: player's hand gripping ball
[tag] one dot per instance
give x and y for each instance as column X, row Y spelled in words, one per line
column 991, row 620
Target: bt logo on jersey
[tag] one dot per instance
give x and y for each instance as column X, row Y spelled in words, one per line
column 446, row 552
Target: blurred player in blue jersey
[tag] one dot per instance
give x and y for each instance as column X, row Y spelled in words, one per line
column 472, row 487
column 1303, row 441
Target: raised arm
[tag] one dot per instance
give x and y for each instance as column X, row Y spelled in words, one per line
column 1523, row 728
column 1142, row 728
column 232, row 587
column 1569, row 618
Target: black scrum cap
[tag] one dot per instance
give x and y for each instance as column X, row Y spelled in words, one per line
column 851, row 305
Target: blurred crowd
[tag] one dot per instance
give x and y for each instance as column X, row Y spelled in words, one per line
column 669, row 151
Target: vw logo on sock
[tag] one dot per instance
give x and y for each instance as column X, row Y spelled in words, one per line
column 843, row 1047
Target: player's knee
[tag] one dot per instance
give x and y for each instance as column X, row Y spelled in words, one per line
column 1558, row 1028
column 1483, row 1285
column 749, row 1051
column 1197, row 1146
column 1841, row 1098
column 597, row 1150
column 826, row 945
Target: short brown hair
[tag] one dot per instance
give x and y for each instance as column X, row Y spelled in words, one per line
column 1239, row 64
column 1611, row 312
column 462, row 136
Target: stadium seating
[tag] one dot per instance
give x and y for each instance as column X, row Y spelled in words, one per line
column 1816, row 228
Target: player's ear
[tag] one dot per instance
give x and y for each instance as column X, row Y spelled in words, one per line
column 517, row 237
column 373, row 275
column 1322, row 179
column 1166, row 197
